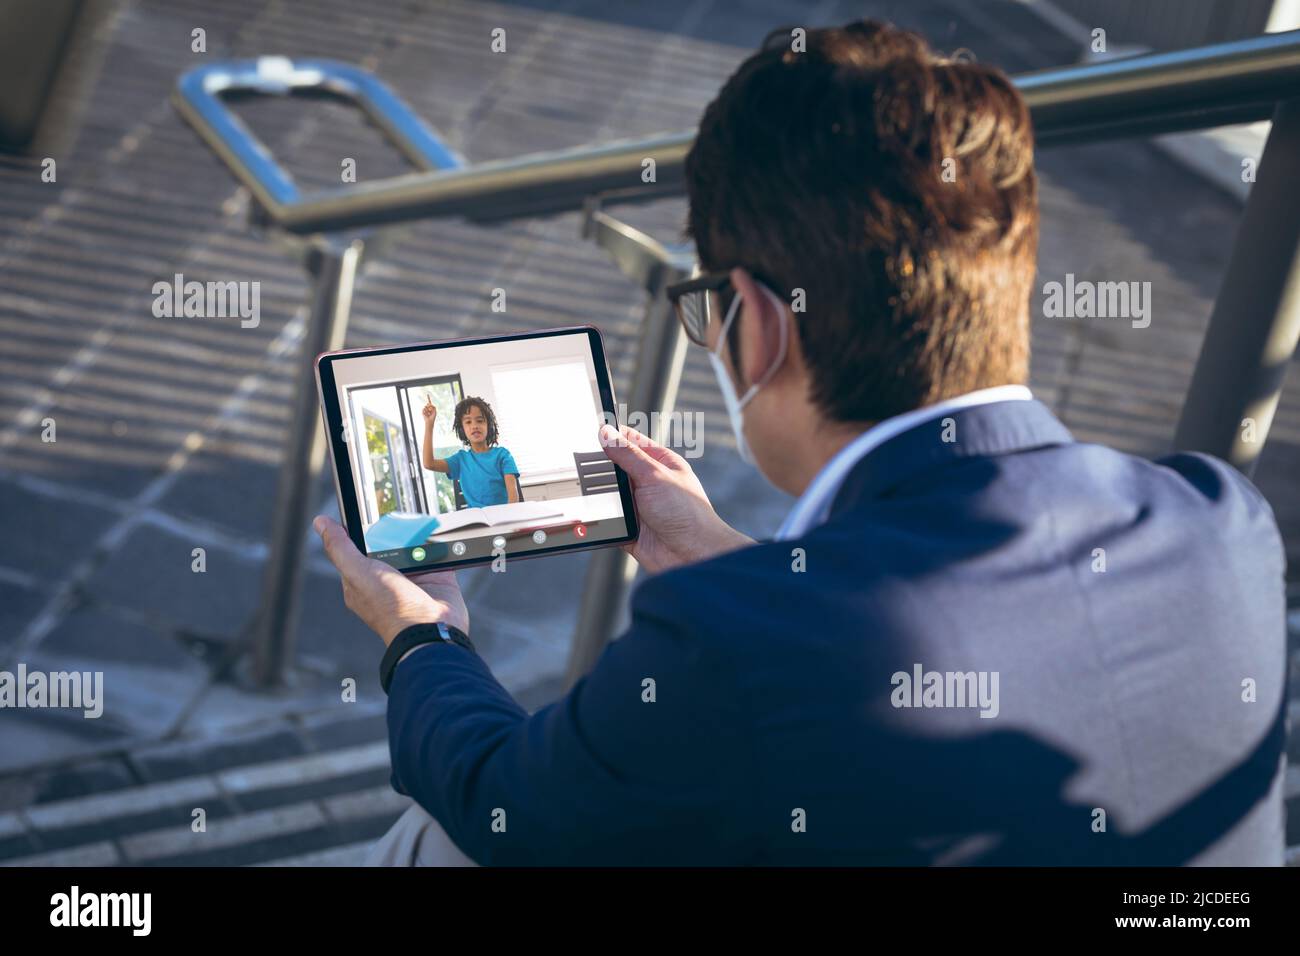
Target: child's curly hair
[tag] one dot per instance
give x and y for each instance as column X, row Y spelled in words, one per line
column 463, row 407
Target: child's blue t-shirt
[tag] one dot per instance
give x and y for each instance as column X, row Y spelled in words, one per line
column 482, row 474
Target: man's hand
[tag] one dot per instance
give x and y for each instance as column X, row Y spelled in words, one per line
column 678, row 525
column 384, row 598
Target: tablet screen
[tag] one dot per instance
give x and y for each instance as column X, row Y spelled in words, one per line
column 473, row 451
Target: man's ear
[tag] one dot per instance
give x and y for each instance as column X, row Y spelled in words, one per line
column 759, row 338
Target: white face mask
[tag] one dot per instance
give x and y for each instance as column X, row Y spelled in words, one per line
column 735, row 406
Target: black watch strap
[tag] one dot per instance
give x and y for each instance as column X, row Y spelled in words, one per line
column 413, row 637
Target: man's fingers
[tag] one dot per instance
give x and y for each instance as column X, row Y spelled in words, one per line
column 626, row 455
column 635, row 437
column 435, row 579
column 660, row 453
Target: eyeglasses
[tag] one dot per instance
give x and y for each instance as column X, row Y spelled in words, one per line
column 701, row 299
column 698, row 300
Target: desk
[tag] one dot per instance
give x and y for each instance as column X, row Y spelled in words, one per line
column 586, row 510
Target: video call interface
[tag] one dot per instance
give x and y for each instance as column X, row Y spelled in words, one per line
column 477, row 451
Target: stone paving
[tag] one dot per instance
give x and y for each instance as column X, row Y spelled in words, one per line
column 169, row 430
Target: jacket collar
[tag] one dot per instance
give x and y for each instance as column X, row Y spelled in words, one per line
column 999, row 428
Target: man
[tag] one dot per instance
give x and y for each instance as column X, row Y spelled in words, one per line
column 974, row 640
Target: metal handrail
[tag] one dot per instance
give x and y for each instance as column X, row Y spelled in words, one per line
column 655, row 379
column 1251, row 336
column 198, row 98
column 1156, row 93
column 1175, row 91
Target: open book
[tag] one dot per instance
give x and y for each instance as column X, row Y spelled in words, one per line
column 493, row 515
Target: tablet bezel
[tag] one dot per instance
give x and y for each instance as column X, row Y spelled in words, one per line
column 341, row 459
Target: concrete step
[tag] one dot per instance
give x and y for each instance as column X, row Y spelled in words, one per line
column 353, row 854
column 317, row 808
column 311, row 791
column 322, row 807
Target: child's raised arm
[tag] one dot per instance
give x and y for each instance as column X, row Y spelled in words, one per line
column 426, row 452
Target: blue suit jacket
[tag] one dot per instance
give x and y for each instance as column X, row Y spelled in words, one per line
column 1131, row 613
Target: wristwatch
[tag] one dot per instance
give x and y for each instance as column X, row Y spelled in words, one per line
column 413, row 637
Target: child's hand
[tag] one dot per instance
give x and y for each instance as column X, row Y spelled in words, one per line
column 678, row 525
column 430, row 412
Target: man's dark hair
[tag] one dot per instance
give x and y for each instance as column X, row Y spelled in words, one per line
column 897, row 189
column 463, row 407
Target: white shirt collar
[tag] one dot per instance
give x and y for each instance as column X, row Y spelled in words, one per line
column 815, row 503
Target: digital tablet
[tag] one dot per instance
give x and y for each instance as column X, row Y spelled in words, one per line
column 475, row 451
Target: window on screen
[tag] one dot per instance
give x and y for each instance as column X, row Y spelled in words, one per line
column 547, row 411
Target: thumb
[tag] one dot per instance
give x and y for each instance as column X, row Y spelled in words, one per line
column 626, row 455
column 660, row 453
column 338, row 546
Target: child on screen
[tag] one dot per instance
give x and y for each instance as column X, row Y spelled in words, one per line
column 487, row 472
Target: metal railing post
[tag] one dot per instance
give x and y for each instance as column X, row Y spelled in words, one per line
column 1255, row 324
column 1251, row 337
column 332, row 265
column 661, row 352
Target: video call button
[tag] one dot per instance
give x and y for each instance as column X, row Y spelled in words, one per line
column 417, row 554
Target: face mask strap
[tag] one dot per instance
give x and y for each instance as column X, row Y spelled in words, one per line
column 730, row 317
column 785, row 341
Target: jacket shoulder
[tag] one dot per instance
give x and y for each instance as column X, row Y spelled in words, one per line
column 1212, row 485
column 758, row 584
